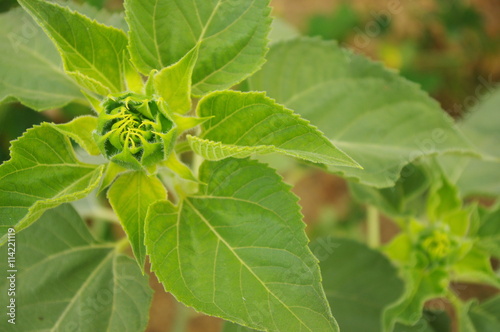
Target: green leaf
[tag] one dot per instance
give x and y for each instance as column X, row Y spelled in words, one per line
column 475, row 267
column 378, row 118
column 489, row 230
column 247, row 123
column 481, row 125
column 30, row 67
column 43, row 173
column 92, row 53
column 421, row 285
column 233, row 327
column 97, row 3
column 486, row 316
column 358, row 281
column 443, row 200
column 238, row 250
column 400, row 200
column 130, row 196
column 432, row 321
column 174, row 83
column 80, row 130
column 115, row 19
column 65, row 281
column 178, row 167
column 133, row 79
column 110, row 174
column 281, row 30
column 232, row 36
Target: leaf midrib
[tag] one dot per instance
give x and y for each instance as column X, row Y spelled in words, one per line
column 81, row 289
column 242, row 262
column 72, row 48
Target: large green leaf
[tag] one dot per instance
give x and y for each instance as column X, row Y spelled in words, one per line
column 380, row 119
column 359, row 283
column 92, row 53
column 65, row 281
column 232, row 36
column 30, row 67
column 243, row 124
column 130, row 196
column 482, row 126
column 43, row 173
column 238, row 250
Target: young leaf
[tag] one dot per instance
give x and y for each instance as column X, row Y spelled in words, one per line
column 232, row 36
column 130, row 196
column 247, row 123
column 421, row 286
column 110, row 174
column 66, row 281
column 443, row 200
column 133, row 79
column 174, row 83
column 178, row 167
column 92, row 53
column 80, row 130
column 238, row 250
column 475, row 267
column 30, row 67
column 354, row 290
column 43, row 173
column 378, row 118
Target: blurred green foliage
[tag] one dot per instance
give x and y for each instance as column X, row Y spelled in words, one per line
column 14, row 120
column 445, row 57
column 6, row 4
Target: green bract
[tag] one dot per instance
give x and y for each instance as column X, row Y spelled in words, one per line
column 135, row 131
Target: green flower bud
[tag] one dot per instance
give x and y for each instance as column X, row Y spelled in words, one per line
column 437, row 245
column 135, row 131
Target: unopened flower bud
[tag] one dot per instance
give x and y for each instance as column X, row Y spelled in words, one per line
column 135, row 131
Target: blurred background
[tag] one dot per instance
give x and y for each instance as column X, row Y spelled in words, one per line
column 450, row 47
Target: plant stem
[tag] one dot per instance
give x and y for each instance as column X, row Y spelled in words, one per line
column 122, row 244
column 102, row 214
column 373, row 226
column 182, row 317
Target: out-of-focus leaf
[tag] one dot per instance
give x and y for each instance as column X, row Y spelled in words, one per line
column 66, row 281
column 482, row 126
column 377, row 117
column 31, row 70
column 360, row 283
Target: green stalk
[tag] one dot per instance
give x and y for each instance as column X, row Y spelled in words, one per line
column 182, row 317
column 373, row 227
